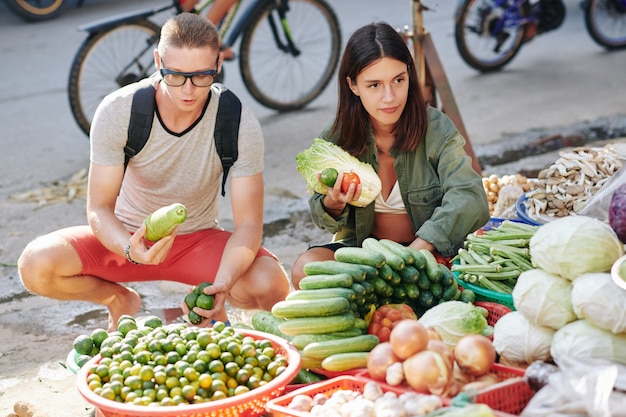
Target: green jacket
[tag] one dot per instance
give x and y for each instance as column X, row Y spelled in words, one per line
column 442, row 193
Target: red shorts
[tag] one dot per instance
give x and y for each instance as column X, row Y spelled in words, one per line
column 194, row 258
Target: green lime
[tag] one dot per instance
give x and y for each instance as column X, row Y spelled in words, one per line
column 205, row 301
column 125, row 317
column 83, row 345
column 190, row 299
column 98, row 336
column 153, row 322
column 194, row 318
column 328, row 176
column 199, row 289
column 126, row 326
column 82, row 359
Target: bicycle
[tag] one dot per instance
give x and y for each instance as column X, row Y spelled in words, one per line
column 490, row 33
column 36, row 10
column 288, row 52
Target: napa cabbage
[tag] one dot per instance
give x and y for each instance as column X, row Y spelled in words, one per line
column 455, row 319
column 323, row 154
column 573, row 245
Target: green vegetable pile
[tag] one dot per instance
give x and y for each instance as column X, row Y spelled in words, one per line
column 323, row 154
column 177, row 364
column 495, row 258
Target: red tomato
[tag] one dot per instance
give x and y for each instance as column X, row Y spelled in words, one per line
column 349, row 178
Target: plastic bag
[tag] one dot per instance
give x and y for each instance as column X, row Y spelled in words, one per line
column 583, row 387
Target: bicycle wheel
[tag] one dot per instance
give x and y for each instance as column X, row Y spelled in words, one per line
column 280, row 79
column 605, row 21
column 108, row 60
column 488, row 35
column 35, row 10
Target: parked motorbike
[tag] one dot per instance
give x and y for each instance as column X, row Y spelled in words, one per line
column 490, row 33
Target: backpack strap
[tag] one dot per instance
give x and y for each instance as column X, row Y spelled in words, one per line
column 140, row 125
column 227, row 129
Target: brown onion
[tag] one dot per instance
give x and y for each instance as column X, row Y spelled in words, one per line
column 379, row 359
column 474, row 354
column 443, row 349
column 433, row 334
column 427, row 371
column 408, row 337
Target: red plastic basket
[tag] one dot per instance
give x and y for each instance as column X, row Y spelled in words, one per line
column 510, row 396
column 251, row 404
column 277, row 407
column 495, row 310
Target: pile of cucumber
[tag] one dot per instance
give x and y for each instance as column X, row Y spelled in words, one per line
column 326, row 318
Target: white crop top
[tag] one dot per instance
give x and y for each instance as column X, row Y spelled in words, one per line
column 393, row 204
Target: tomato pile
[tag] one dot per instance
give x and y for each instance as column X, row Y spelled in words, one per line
column 386, row 317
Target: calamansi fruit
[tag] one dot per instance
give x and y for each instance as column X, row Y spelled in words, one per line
column 83, row 344
column 98, row 336
column 205, row 302
column 328, row 176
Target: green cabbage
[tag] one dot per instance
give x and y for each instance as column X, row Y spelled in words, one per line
column 573, row 245
column 544, row 298
column 595, row 297
column 519, row 341
column 581, row 339
column 455, row 319
column 323, row 154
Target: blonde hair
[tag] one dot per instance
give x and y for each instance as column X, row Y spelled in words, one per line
column 188, row 30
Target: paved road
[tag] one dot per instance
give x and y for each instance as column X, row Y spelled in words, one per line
column 559, row 79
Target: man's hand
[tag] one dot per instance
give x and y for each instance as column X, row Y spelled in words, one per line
column 155, row 254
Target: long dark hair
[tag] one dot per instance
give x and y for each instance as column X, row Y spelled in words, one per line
column 352, row 125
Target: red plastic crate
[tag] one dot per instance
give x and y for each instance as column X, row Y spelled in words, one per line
column 495, row 310
column 510, row 396
column 277, row 407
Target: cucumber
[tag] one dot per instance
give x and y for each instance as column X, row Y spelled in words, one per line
column 321, row 350
column 301, row 340
column 289, row 309
column 340, row 362
column 450, row 292
column 313, row 282
column 347, row 293
column 304, row 376
column 423, row 283
column 331, row 266
column 391, row 258
column 309, row 363
column 264, row 321
column 412, row 292
column 432, row 266
column 316, row 325
column 162, row 221
column 396, row 279
column 420, row 259
column 403, row 251
column 409, row 274
column 370, row 271
column 361, row 256
column 385, row 272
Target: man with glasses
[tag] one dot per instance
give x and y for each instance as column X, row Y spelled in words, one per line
column 178, row 164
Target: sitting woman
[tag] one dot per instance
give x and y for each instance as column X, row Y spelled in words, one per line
column 431, row 196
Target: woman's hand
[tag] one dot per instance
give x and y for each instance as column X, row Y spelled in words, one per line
column 420, row 243
column 335, row 200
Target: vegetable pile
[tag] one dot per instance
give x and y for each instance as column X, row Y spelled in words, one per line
column 493, row 259
column 419, row 358
column 323, row 154
column 568, row 304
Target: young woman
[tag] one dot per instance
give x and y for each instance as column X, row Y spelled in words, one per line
column 431, row 196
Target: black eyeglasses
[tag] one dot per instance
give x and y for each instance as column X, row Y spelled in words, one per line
column 178, row 79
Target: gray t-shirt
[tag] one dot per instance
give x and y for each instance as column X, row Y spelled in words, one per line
column 171, row 168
